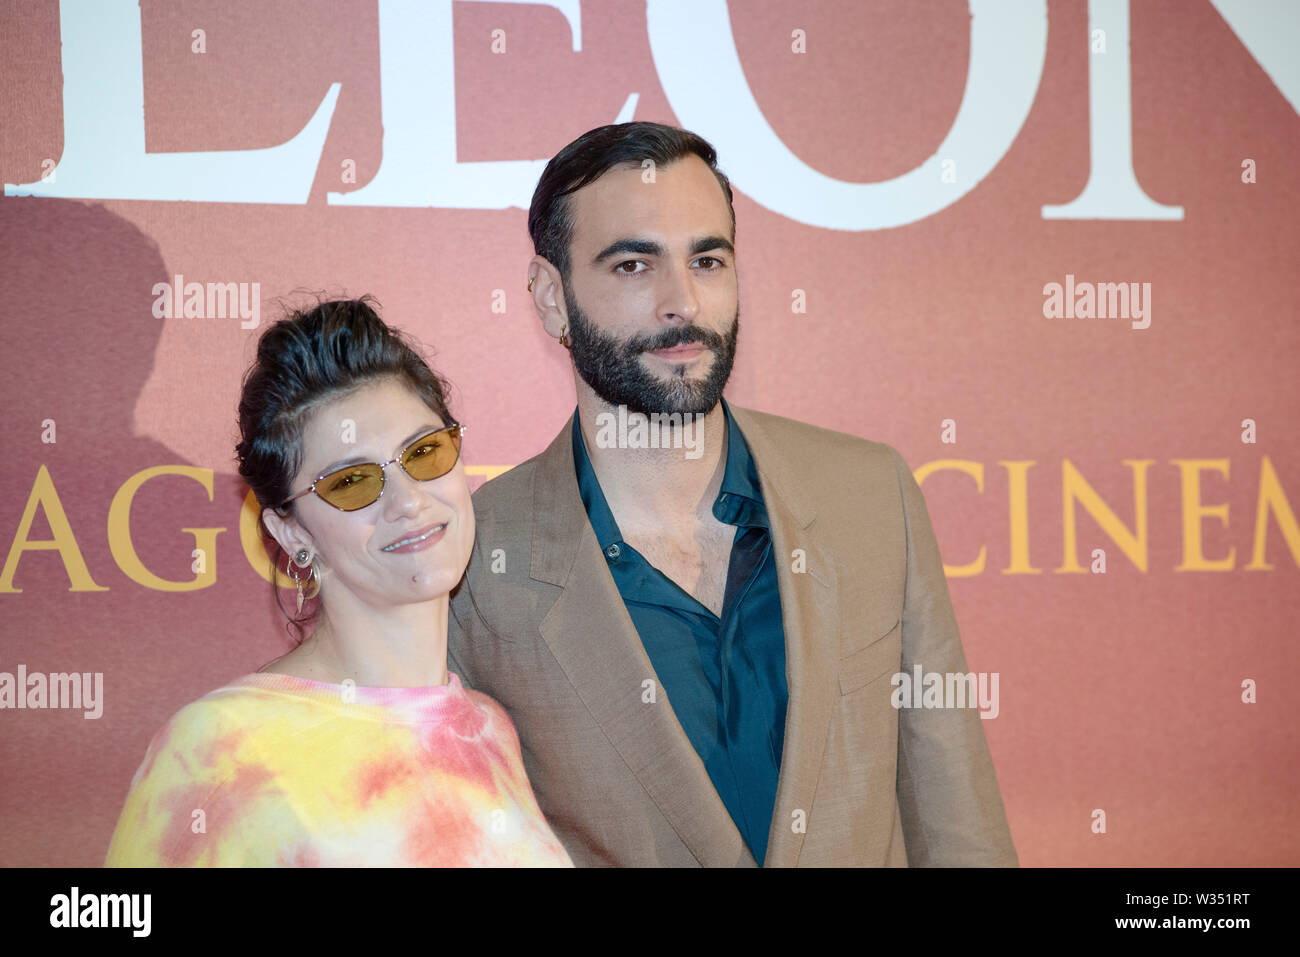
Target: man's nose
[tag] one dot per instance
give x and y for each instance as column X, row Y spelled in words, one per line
column 678, row 300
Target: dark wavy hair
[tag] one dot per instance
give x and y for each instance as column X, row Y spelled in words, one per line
column 591, row 155
column 309, row 358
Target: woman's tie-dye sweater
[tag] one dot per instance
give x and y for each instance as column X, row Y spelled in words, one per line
column 274, row 770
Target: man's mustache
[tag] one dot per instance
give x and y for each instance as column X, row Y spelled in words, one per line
column 674, row 337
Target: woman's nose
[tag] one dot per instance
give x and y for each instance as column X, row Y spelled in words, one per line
column 406, row 495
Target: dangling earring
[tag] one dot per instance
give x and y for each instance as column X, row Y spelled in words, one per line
column 303, row 560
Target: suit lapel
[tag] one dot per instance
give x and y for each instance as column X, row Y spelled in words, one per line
column 592, row 637
column 810, row 619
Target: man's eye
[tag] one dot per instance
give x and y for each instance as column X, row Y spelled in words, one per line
column 628, row 262
column 424, row 449
column 710, row 262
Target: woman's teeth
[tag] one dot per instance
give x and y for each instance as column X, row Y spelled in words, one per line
column 417, row 538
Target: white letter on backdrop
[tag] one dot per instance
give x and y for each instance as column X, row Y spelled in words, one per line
column 1008, row 44
column 417, row 74
column 103, row 128
column 1112, row 191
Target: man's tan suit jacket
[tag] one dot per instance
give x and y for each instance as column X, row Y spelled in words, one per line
column 863, row 596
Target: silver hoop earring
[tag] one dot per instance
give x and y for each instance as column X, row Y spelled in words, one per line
column 311, row 579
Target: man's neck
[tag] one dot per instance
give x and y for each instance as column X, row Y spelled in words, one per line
column 672, row 486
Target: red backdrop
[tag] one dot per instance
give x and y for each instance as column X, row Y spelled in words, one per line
column 1155, row 691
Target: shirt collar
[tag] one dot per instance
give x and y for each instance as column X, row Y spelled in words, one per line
column 593, row 499
column 741, row 476
column 739, row 500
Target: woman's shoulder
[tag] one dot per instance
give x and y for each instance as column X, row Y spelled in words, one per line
column 205, row 763
column 228, row 700
column 494, row 722
column 480, row 700
column 239, row 709
column 210, row 741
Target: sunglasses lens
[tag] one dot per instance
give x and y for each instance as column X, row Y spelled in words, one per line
column 353, row 487
column 433, row 455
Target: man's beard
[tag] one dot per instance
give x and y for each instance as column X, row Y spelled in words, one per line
column 613, row 367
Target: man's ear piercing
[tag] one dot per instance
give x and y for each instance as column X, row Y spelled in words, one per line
column 531, row 279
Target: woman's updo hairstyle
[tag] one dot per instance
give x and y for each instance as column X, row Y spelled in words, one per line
column 305, row 360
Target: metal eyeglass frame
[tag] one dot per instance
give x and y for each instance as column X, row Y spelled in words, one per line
column 383, row 471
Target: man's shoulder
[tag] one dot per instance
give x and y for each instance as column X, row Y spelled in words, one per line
column 813, row 444
column 512, row 484
column 508, row 498
column 805, row 449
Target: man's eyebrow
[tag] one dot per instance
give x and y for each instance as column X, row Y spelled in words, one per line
column 648, row 247
column 704, row 244
column 362, row 460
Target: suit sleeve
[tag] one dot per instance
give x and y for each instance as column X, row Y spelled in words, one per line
column 948, row 797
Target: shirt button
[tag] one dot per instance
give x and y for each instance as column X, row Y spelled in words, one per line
column 613, row 551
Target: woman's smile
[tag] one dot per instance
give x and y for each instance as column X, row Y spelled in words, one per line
column 418, row 540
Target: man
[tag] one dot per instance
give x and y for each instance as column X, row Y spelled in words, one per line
column 693, row 611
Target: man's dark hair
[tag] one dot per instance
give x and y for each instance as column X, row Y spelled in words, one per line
column 550, row 222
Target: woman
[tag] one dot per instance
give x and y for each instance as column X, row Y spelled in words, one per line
column 358, row 747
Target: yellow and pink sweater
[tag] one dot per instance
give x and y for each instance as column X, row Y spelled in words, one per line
column 275, row 770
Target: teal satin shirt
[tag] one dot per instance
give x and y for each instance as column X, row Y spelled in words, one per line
column 724, row 676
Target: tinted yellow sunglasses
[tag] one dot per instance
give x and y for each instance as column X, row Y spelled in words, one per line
column 430, row 456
